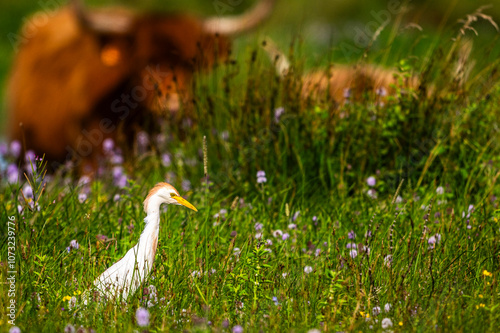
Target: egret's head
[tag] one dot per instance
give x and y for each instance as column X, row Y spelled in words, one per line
column 165, row 193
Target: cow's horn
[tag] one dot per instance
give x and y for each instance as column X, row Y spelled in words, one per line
column 111, row 20
column 238, row 24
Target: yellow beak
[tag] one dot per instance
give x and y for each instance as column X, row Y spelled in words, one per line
column 184, row 202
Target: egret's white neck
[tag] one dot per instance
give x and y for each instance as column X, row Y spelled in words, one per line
column 152, row 208
column 148, row 241
column 126, row 275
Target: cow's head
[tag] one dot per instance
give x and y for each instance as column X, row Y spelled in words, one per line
column 88, row 74
column 166, row 49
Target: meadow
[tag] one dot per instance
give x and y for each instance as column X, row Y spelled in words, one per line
column 314, row 216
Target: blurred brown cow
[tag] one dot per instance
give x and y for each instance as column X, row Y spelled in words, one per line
column 341, row 83
column 86, row 72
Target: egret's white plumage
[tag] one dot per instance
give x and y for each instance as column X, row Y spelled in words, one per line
column 126, row 275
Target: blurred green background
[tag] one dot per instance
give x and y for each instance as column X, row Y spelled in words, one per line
column 321, row 25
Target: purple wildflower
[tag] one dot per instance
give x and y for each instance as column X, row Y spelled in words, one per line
column 353, row 254
column 101, row 238
column 74, row 244
column 108, row 145
column 15, row 148
column 261, row 177
column 69, row 329
column 3, row 149
column 376, row 311
column 434, row 239
column 269, row 242
column 161, row 139
column 371, row 181
column 275, row 300
column 82, row 197
column 351, row 245
column 224, row 135
column 296, row 215
column 84, row 180
column 278, row 233
column 72, row 302
column 386, row 323
column 28, row 191
column 351, row 234
column 121, row 181
column 292, row 226
column 285, row 236
column 347, row 93
column 116, row 158
column 29, row 157
column 258, row 226
column 387, row 307
column 278, row 112
column 186, row 185
column 308, row 269
column 166, row 160
column 117, row 172
column 440, row 190
column 372, row 193
column 237, row 329
column 142, row 317
column 142, row 139
column 388, row 260
column 381, row 91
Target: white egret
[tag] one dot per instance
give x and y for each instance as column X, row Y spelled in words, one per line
column 126, row 275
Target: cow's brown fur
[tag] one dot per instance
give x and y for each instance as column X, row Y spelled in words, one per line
column 66, row 80
column 341, row 82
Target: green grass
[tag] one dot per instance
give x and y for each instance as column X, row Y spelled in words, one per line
column 317, row 160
